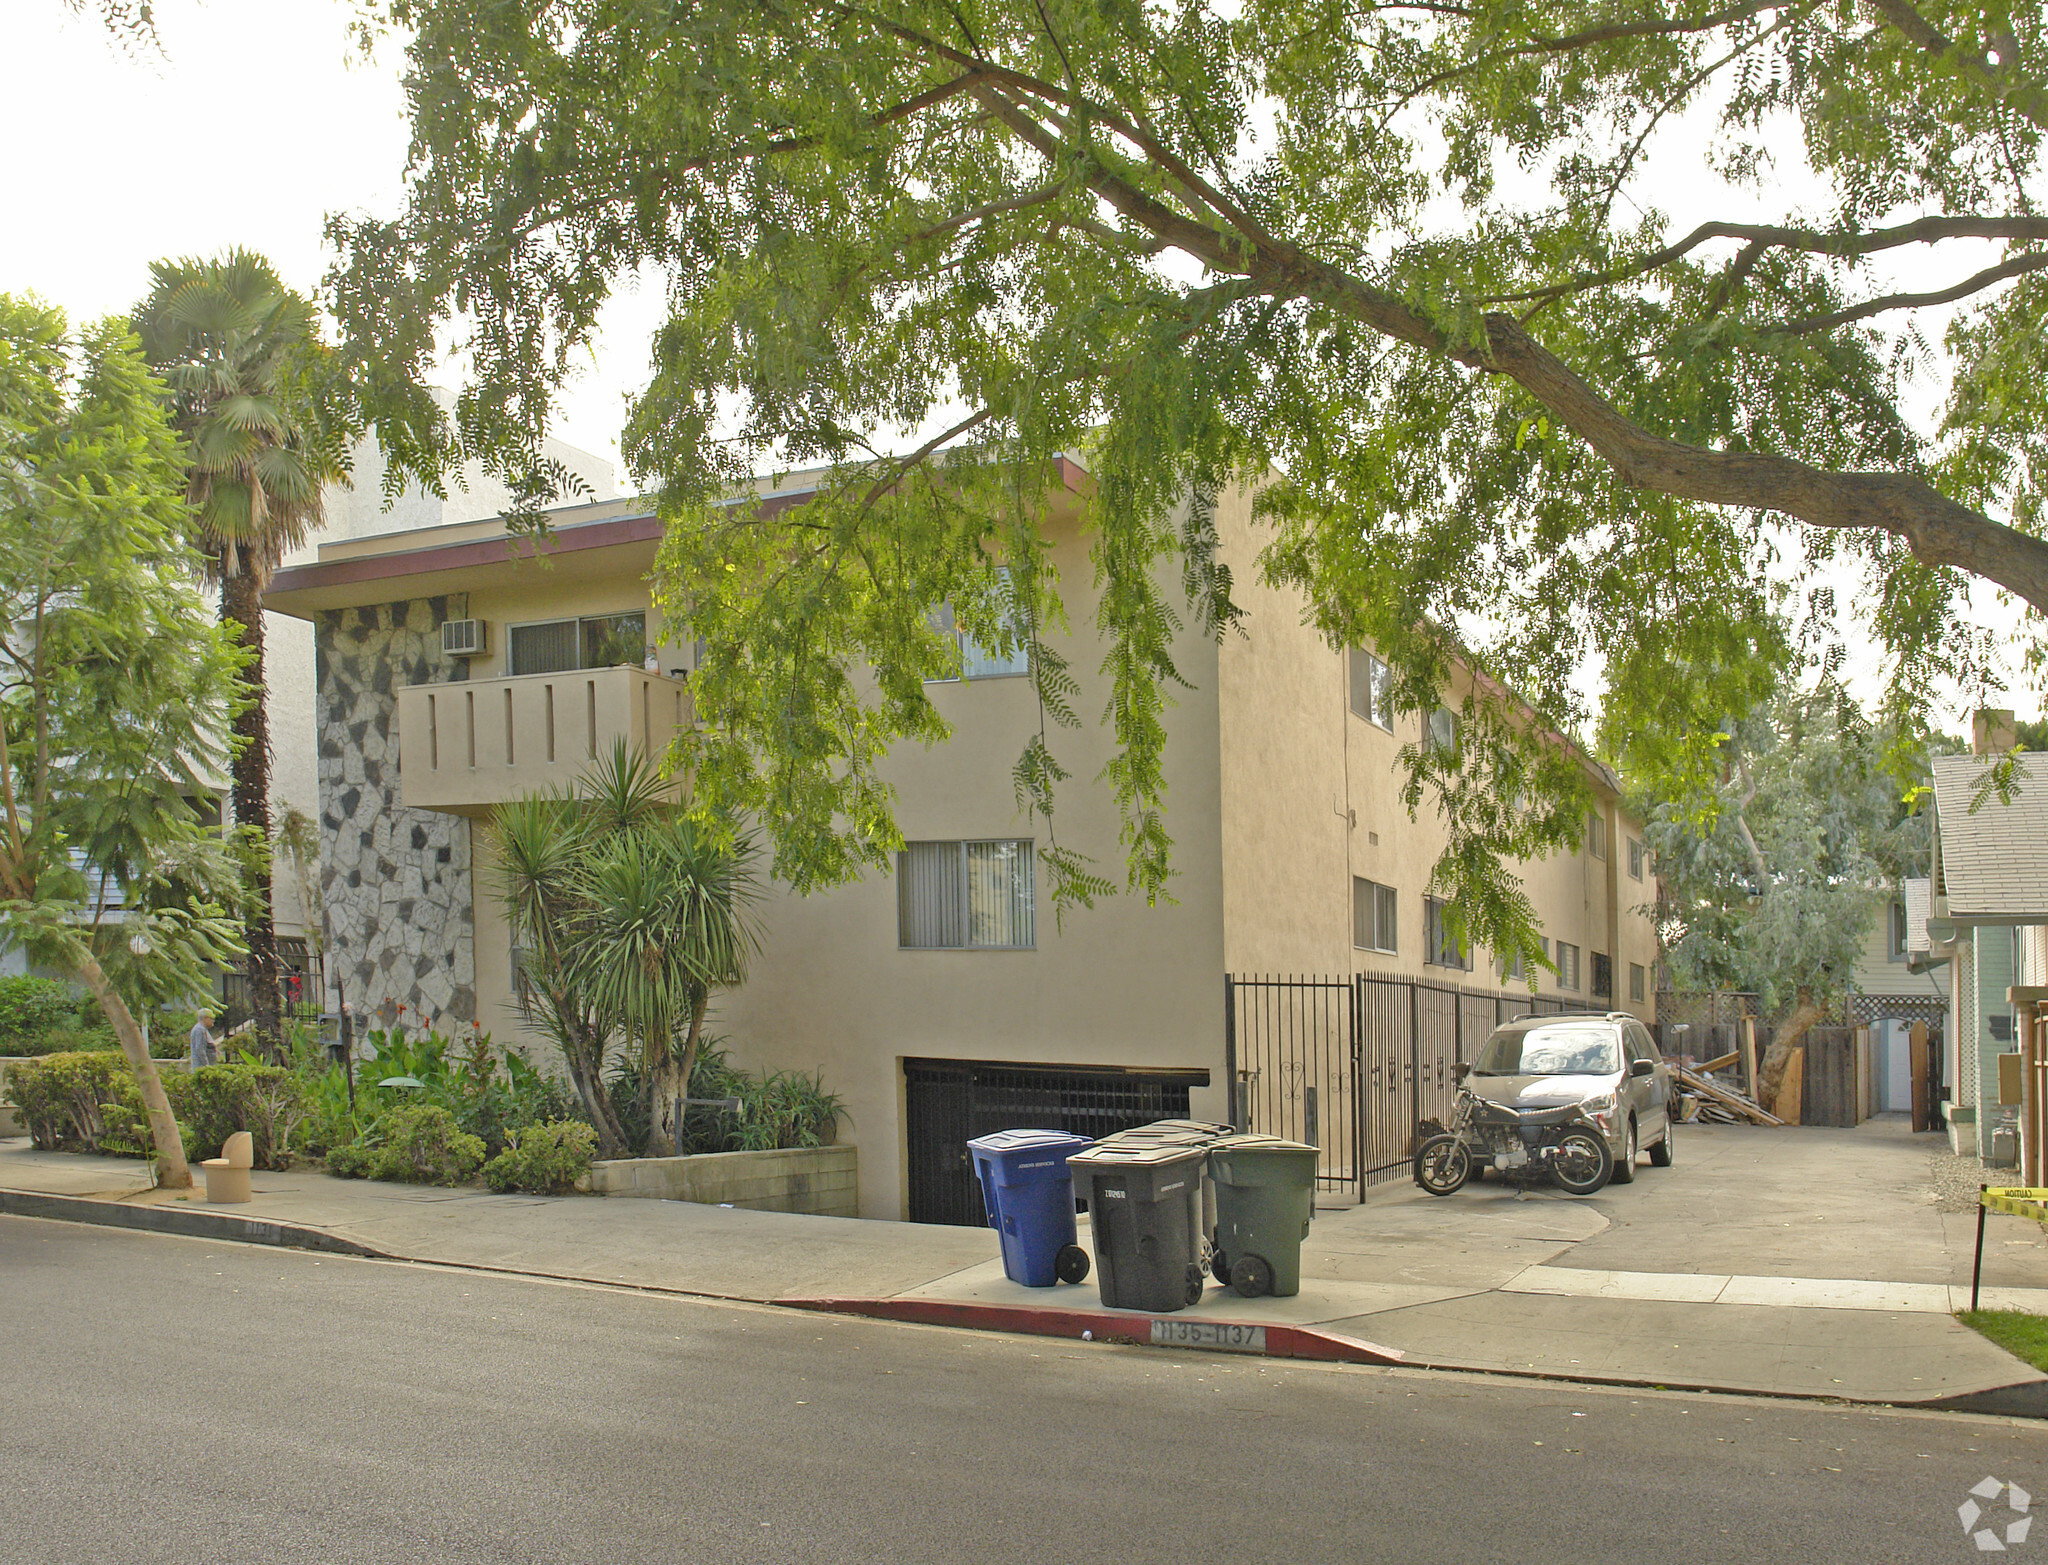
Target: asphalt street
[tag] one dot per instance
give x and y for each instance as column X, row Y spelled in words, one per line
column 167, row 1399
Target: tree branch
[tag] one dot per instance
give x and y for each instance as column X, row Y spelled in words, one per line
column 2024, row 95
column 1938, row 530
column 2018, row 266
column 1844, row 243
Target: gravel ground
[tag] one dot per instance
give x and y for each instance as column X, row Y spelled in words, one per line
column 1956, row 1180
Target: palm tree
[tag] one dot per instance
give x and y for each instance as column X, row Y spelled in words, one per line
column 252, row 392
column 628, row 914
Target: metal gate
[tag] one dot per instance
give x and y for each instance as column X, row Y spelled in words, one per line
column 1351, row 1064
column 949, row 1102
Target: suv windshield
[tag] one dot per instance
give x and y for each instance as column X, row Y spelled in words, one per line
column 1561, row 1049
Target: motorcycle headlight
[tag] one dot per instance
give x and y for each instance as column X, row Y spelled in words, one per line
column 1604, row 1103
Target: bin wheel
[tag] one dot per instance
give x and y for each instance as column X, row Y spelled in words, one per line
column 1219, row 1267
column 1071, row 1264
column 1251, row 1277
column 1197, row 1282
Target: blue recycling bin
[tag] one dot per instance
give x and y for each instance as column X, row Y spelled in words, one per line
column 1030, row 1200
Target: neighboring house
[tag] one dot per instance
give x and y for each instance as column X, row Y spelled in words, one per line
column 1988, row 916
column 455, row 673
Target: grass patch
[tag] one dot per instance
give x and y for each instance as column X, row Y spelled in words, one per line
column 2022, row 1335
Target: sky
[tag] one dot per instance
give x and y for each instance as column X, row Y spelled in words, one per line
column 256, row 120
column 253, row 124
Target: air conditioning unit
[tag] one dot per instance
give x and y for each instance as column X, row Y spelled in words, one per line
column 464, row 638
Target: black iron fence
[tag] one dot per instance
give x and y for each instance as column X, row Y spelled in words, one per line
column 1352, row 1063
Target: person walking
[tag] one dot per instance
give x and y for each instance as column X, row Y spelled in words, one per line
column 203, row 1051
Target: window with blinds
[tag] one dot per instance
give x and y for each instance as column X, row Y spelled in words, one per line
column 966, row 896
column 1439, row 947
column 559, row 646
column 976, row 660
column 1373, row 909
column 1372, row 696
column 1567, row 962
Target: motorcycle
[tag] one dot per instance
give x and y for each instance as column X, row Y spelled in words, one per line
column 1559, row 1142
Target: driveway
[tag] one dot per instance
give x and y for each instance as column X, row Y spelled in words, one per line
column 1744, row 1200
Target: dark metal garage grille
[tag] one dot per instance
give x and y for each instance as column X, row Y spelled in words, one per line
column 949, row 1102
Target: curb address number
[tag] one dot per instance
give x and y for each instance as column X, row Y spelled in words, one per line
column 1221, row 1334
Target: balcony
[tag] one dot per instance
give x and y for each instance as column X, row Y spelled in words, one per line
column 467, row 745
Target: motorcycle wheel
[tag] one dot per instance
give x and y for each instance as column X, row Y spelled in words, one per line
column 1582, row 1164
column 1071, row 1264
column 1442, row 1165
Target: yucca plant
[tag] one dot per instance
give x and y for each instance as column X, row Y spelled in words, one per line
column 629, row 914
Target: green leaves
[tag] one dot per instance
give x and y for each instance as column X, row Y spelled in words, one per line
column 264, row 405
column 1772, row 882
column 628, row 914
column 1407, row 273
column 116, row 686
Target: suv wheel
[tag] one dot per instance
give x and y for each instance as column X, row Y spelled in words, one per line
column 1625, row 1165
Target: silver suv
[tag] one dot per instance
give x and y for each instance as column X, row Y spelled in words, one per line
column 1607, row 1065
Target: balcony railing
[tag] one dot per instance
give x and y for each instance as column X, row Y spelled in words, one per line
column 469, row 744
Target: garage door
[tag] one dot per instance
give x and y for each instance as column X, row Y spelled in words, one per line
column 949, row 1102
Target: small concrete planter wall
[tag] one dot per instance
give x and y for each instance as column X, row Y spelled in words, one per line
column 10, row 1116
column 819, row 1180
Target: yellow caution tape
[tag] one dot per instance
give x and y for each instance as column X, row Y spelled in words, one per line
column 2017, row 1201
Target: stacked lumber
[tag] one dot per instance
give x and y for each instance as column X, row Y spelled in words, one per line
column 1722, row 1104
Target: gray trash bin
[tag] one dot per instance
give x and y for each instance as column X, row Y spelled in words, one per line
column 1145, row 1213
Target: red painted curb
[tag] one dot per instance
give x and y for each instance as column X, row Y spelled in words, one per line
column 1287, row 1342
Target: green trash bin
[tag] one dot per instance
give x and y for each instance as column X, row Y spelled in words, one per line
column 1265, row 1195
column 1144, row 1216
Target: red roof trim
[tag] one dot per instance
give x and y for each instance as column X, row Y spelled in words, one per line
column 619, row 531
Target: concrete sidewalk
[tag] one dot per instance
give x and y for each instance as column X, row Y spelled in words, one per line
column 1810, row 1263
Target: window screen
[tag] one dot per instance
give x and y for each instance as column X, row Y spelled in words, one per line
column 1603, row 975
column 1371, row 689
column 1373, row 916
column 546, row 648
column 1636, row 976
column 966, row 895
column 1635, row 857
column 1596, row 836
column 1567, row 960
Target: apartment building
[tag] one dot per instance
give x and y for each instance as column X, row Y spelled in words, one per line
column 455, row 673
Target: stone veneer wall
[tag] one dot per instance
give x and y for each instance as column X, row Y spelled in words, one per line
column 396, row 883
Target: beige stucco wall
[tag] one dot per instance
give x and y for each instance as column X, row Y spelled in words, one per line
column 1266, row 767
column 1311, row 797
column 1122, row 984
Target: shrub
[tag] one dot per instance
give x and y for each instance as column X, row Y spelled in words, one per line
column 350, row 1162
column 543, row 1159
column 268, row 1101
column 422, row 1145
column 61, row 1097
column 31, row 1009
